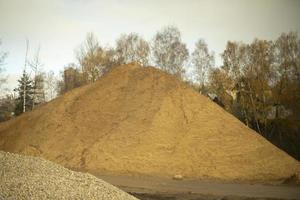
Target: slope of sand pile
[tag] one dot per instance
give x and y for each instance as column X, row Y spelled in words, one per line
column 141, row 121
column 23, row 177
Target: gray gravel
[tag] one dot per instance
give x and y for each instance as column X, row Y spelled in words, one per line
column 25, row 177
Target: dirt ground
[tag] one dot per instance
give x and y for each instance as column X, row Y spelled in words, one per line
column 149, row 188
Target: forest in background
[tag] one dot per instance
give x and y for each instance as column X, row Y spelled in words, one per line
column 259, row 82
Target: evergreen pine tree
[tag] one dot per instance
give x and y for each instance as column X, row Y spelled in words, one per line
column 24, row 83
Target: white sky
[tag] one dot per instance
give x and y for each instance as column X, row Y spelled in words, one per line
column 59, row 26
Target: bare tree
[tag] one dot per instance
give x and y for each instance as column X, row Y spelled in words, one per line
column 287, row 78
column 3, row 79
column 86, row 56
column 235, row 61
column 219, row 83
column 261, row 81
column 94, row 60
column 286, row 92
column 132, row 48
column 258, row 74
column 202, row 61
column 248, row 66
column 38, row 79
column 169, row 52
column 50, row 85
column 24, row 84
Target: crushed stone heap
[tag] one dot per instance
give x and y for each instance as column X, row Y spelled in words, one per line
column 25, row 177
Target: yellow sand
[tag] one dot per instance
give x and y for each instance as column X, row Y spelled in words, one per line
column 141, row 121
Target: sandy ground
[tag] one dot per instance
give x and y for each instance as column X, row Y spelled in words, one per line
column 149, row 188
column 142, row 121
column 139, row 121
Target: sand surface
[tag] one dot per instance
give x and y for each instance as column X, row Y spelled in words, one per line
column 140, row 121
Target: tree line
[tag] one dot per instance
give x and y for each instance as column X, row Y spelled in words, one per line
column 257, row 82
column 166, row 51
column 35, row 86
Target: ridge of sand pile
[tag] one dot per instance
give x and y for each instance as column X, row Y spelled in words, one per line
column 25, row 177
column 141, row 121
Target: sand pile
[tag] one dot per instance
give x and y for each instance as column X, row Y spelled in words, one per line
column 23, row 177
column 141, row 121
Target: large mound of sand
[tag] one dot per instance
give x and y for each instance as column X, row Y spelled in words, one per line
column 23, row 177
column 141, row 121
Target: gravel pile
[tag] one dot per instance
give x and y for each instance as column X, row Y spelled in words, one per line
column 23, row 177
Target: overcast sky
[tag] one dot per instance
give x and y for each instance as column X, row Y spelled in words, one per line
column 59, row 26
